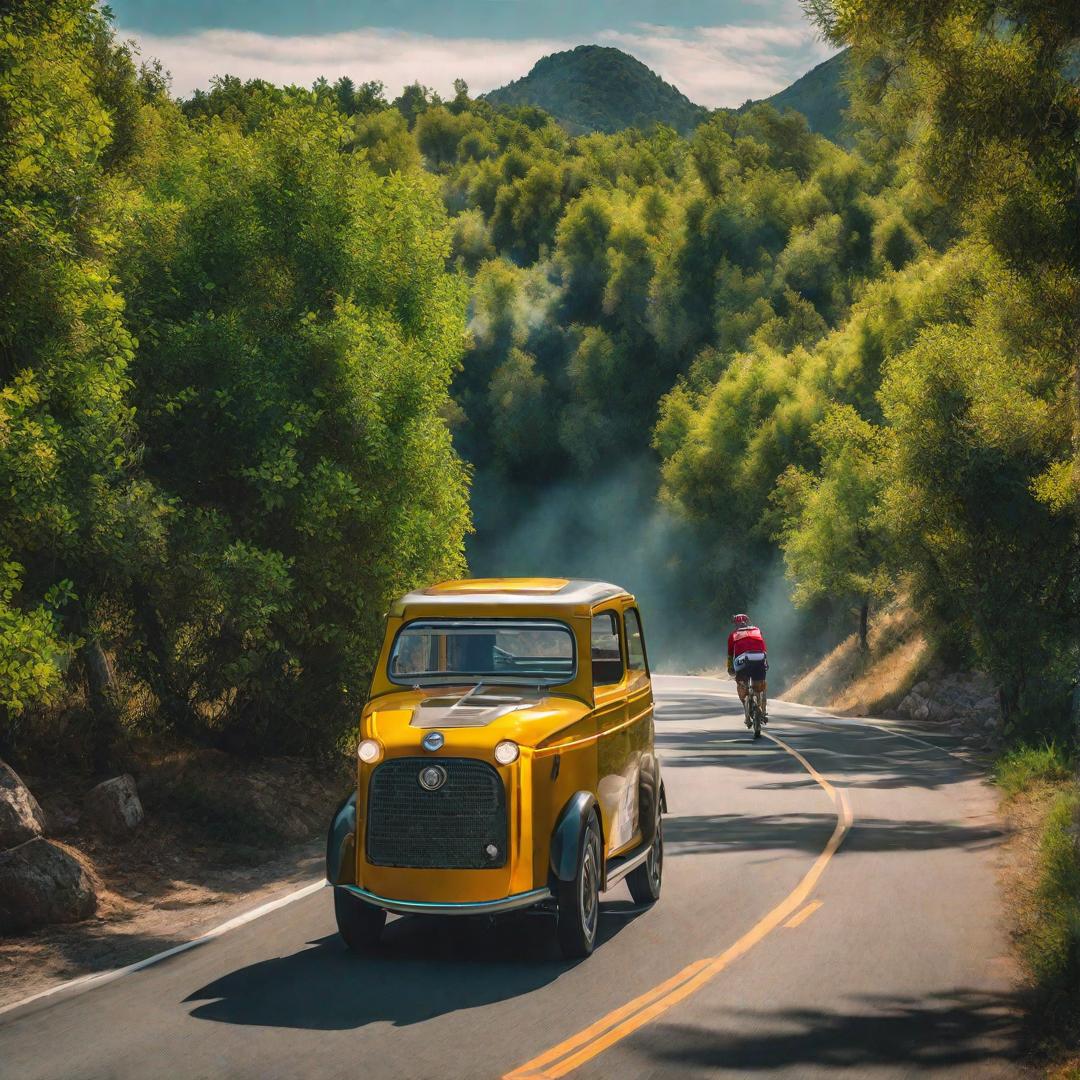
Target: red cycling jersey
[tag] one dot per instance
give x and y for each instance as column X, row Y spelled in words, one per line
column 748, row 639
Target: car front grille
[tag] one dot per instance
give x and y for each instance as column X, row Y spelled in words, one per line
column 450, row 828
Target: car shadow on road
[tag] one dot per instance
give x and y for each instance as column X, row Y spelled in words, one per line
column 964, row 1029
column 423, row 968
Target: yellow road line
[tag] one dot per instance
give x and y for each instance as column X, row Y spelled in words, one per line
column 801, row 916
column 610, row 1029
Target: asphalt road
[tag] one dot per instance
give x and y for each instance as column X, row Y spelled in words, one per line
column 848, row 921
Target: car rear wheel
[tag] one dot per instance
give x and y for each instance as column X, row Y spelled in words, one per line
column 645, row 880
column 579, row 900
column 360, row 924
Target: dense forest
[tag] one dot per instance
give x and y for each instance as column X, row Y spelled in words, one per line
column 255, row 346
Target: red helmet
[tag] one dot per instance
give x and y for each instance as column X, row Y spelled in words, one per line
column 741, row 620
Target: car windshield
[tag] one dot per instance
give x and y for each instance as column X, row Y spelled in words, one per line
column 483, row 650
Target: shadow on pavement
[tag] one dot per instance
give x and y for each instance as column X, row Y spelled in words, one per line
column 704, row 833
column 856, row 757
column 423, row 969
column 948, row 1030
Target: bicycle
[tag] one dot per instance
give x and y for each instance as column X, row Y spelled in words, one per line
column 755, row 717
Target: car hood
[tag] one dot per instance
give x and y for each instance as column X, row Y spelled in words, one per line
column 488, row 713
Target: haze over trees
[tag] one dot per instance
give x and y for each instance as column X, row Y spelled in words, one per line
column 238, row 331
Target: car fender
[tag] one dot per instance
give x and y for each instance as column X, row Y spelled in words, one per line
column 650, row 788
column 341, row 844
column 566, row 836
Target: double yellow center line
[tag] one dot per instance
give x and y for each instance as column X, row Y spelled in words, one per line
column 610, row 1029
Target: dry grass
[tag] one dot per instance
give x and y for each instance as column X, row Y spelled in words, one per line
column 854, row 684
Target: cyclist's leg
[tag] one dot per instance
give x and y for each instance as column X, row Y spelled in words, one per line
column 763, row 688
column 742, row 683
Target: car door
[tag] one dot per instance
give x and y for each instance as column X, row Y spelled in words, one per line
column 616, row 776
column 640, row 722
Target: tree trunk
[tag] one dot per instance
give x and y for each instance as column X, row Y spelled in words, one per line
column 159, row 673
column 864, row 626
column 1076, row 719
column 101, row 691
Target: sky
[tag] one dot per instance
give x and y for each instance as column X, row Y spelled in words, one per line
column 718, row 52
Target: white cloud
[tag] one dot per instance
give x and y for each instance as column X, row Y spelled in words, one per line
column 725, row 65
column 712, row 65
column 396, row 58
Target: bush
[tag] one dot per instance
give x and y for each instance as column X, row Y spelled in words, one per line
column 1052, row 945
column 1023, row 767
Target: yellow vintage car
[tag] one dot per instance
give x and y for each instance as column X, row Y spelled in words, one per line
column 505, row 761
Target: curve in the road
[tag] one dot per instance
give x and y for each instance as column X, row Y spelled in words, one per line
column 617, row 1024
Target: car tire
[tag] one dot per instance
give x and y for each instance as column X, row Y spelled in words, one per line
column 645, row 880
column 361, row 925
column 579, row 900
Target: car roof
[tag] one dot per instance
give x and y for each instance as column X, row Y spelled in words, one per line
column 558, row 593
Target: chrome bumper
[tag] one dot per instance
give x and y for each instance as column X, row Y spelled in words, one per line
column 485, row 907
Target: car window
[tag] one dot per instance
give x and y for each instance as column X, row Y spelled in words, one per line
column 431, row 651
column 607, row 664
column 635, row 642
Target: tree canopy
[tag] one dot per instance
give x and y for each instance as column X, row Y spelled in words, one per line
column 255, row 344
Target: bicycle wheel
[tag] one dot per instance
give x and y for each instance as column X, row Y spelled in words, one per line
column 757, row 718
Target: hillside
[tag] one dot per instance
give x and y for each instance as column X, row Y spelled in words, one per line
column 820, row 96
column 595, row 88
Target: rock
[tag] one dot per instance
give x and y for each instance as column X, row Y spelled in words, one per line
column 939, row 712
column 41, row 883
column 914, row 704
column 60, row 820
column 114, row 806
column 21, row 818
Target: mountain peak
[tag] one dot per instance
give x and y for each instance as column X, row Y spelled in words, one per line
column 600, row 88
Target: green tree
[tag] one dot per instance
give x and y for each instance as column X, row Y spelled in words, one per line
column 298, row 333
column 833, row 542
column 520, row 417
column 990, row 84
column 385, row 139
column 972, row 429
column 75, row 519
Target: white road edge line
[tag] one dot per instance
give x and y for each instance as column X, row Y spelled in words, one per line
column 99, row 978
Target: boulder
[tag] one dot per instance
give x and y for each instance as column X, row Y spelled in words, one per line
column 21, row 818
column 60, row 819
column 939, row 712
column 41, row 883
column 113, row 806
column 910, row 703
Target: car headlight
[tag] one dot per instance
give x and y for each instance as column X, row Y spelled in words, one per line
column 369, row 751
column 506, row 752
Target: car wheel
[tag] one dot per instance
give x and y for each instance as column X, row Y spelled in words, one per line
column 360, row 924
column 579, row 900
column 645, row 881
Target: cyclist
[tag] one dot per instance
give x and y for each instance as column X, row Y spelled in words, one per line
column 748, row 660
